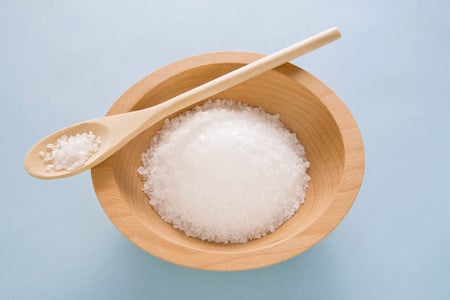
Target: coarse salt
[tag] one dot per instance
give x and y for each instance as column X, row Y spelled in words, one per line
column 69, row 153
column 225, row 172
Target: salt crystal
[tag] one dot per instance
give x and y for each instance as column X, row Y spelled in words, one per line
column 225, row 172
column 69, row 153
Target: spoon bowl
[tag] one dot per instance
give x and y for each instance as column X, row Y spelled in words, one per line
column 36, row 165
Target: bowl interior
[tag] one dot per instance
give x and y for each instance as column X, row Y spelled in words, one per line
column 306, row 106
column 300, row 110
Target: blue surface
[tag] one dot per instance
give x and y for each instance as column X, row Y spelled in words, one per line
column 62, row 62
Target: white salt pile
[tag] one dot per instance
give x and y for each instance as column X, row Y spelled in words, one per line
column 69, row 153
column 225, row 172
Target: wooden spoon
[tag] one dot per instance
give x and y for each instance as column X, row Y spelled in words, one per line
column 117, row 130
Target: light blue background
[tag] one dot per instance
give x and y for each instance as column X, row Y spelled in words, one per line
column 62, row 62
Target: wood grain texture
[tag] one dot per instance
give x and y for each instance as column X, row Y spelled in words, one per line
column 306, row 106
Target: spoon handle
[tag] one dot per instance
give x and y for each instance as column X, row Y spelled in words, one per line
column 251, row 70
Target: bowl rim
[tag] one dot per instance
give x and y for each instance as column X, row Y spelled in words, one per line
column 120, row 215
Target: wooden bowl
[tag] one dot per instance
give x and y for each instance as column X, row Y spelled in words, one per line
column 306, row 106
